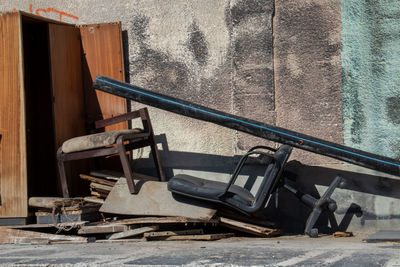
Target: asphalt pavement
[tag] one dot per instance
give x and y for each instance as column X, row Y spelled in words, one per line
column 281, row 251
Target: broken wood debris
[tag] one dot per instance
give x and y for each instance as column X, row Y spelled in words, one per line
column 250, row 228
column 133, row 232
column 165, row 234
column 103, row 229
column 112, row 214
column 15, row 236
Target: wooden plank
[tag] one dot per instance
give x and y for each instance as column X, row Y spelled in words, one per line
column 65, row 218
column 15, row 236
column 162, row 220
column 89, row 208
column 68, row 98
column 107, row 174
column 100, row 187
column 164, row 234
column 209, row 237
column 95, row 200
column 102, row 47
column 102, row 229
column 49, row 225
column 99, row 194
column 120, row 241
column 50, row 202
column 153, row 199
column 13, row 178
column 250, row 228
column 133, row 232
column 114, row 175
column 97, row 180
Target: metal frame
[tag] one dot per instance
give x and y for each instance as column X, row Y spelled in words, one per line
column 124, row 143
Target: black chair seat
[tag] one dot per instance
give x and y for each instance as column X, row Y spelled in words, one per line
column 209, row 190
column 230, row 194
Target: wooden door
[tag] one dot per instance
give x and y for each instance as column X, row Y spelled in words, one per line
column 103, row 54
column 13, row 180
column 67, row 89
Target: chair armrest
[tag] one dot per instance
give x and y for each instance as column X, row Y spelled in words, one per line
column 117, row 119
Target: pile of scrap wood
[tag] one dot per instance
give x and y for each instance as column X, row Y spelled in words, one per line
column 132, row 230
column 112, row 214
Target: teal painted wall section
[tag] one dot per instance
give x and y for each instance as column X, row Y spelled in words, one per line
column 371, row 75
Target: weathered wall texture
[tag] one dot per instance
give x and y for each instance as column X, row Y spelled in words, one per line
column 308, row 70
column 278, row 62
column 371, row 83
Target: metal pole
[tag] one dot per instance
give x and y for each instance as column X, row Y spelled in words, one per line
column 273, row 133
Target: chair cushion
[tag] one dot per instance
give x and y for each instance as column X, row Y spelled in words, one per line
column 92, row 141
column 208, row 190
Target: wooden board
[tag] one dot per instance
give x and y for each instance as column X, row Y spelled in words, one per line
column 164, row 234
column 153, row 199
column 100, row 187
column 103, row 54
column 46, row 218
column 161, row 220
column 14, row 236
column 133, row 232
column 97, row 180
column 115, row 175
column 102, row 229
column 13, row 178
column 68, row 98
column 53, row 202
column 49, row 225
column 250, row 228
column 94, row 200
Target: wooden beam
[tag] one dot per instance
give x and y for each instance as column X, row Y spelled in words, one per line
column 53, row 202
column 100, row 187
column 14, row 236
column 102, row 229
column 94, row 199
column 164, row 234
column 97, row 180
column 250, row 228
column 161, row 220
column 133, row 232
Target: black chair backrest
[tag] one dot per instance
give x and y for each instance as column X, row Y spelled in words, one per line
column 270, row 180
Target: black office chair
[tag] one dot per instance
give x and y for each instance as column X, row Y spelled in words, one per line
column 240, row 199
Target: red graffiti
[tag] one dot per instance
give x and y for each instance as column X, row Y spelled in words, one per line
column 51, row 10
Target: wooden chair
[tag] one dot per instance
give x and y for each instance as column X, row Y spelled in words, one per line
column 109, row 143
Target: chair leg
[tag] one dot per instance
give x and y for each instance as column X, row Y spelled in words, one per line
column 157, row 159
column 62, row 173
column 126, row 165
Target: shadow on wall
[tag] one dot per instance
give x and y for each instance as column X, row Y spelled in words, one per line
column 283, row 207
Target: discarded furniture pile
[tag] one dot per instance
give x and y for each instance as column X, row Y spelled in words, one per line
column 81, row 220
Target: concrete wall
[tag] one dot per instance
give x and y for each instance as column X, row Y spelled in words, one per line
column 291, row 63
